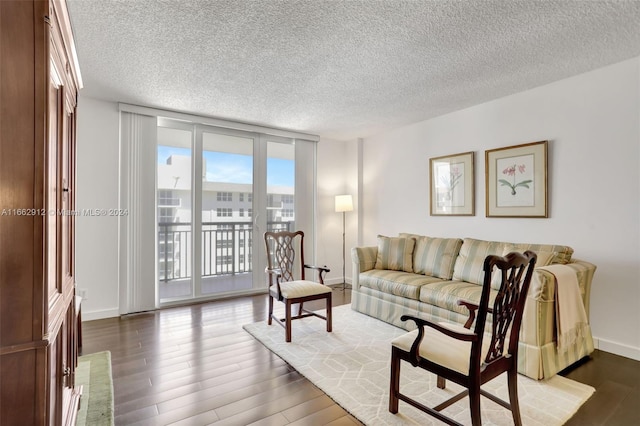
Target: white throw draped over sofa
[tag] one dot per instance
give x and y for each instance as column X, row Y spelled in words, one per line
column 424, row 276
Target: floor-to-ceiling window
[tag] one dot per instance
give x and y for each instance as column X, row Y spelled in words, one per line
column 174, row 210
column 218, row 190
column 200, row 192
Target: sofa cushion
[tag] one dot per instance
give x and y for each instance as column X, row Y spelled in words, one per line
column 446, row 294
column 395, row 253
column 470, row 260
column 436, row 256
column 442, row 349
column 398, row 283
column 562, row 253
column 544, row 259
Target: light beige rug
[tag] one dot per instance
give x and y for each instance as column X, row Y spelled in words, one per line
column 96, row 403
column 351, row 365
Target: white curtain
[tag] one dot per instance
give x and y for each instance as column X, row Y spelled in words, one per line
column 305, row 190
column 138, row 135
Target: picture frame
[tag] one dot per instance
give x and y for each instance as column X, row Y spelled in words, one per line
column 516, row 181
column 452, row 189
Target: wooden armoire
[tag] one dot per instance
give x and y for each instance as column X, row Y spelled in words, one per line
column 39, row 82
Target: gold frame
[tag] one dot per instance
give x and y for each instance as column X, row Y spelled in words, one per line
column 516, row 181
column 444, row 199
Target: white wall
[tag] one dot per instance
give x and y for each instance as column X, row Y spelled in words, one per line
column 592, row 123
column 335, row 170
column 97, row 188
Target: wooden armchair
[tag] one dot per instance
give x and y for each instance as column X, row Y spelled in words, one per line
column 471, row 358
column 281, row 267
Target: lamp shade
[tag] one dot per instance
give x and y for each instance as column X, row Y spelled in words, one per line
column 344, row 203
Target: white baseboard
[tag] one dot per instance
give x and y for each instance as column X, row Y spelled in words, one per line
column 102, row 314
column 617, row 348
column 334, row 282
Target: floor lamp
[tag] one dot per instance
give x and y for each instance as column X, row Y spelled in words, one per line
column 344, row 203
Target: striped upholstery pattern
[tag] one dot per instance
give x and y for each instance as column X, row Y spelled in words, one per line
column 538, row 357
column 436, row 256
column 399, row 283
column 364, row 257
column 535, row 360
column 468, row 266
column 444, row 350
column 395, row 253
column 299, row 288
column 447, row 293
column 562, row 253
column 389, row 308
column 544, row 258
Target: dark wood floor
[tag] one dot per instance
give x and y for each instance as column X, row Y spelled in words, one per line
column 194, row 365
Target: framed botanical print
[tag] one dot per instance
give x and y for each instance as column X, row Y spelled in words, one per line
column 452, row 185
column 516, row 181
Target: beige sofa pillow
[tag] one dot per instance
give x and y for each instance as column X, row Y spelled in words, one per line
column 436, row 256
column 562, row 254
column 470, row 260
column 395, row 254
column 544, row 258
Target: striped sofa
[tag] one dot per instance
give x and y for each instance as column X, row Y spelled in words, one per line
column 425, row 276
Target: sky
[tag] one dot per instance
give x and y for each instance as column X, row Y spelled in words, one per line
column 235, row 168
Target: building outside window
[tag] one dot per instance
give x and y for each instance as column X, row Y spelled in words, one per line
column 224, row 262
column 287, row 198
column 224, row 196
column 166, row 198
column 241, row 212
column 166, row 214
column 287, row 213
column 224, row 244
column 224, row 212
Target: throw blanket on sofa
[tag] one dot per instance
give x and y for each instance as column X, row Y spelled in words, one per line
column 571, row 317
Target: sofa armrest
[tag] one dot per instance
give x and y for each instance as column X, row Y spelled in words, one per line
column 543, row 284
column 584, row 271
column 538, row 321
column 363, row 259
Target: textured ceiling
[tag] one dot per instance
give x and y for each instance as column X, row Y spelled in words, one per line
column 340, row 69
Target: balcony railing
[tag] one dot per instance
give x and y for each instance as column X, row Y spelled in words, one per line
column 226, row 248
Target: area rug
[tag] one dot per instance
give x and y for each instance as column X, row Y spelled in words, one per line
column 351, row 365
column 96, row 403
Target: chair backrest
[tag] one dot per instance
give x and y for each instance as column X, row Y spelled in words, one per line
column 516, row 270
column 281, row 253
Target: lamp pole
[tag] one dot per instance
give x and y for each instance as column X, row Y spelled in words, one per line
column 344, row 278
column 344, row 203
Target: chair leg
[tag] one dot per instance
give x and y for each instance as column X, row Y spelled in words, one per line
column 442, row 382
column 270, row 317
column 300, row 308
column 329, row 320
column 474, row 405
column 394, row 383
column 287, row 322
column 512, row 376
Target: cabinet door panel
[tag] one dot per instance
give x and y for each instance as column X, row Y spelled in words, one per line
column 55, row 386
column 53, row 154
column 67, row 202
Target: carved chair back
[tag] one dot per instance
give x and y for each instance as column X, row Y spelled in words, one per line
column 281, row 253
column 515, row 271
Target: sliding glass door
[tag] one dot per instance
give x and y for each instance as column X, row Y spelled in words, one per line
column 174, row 211
column 225, row 206
column 218, row 190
